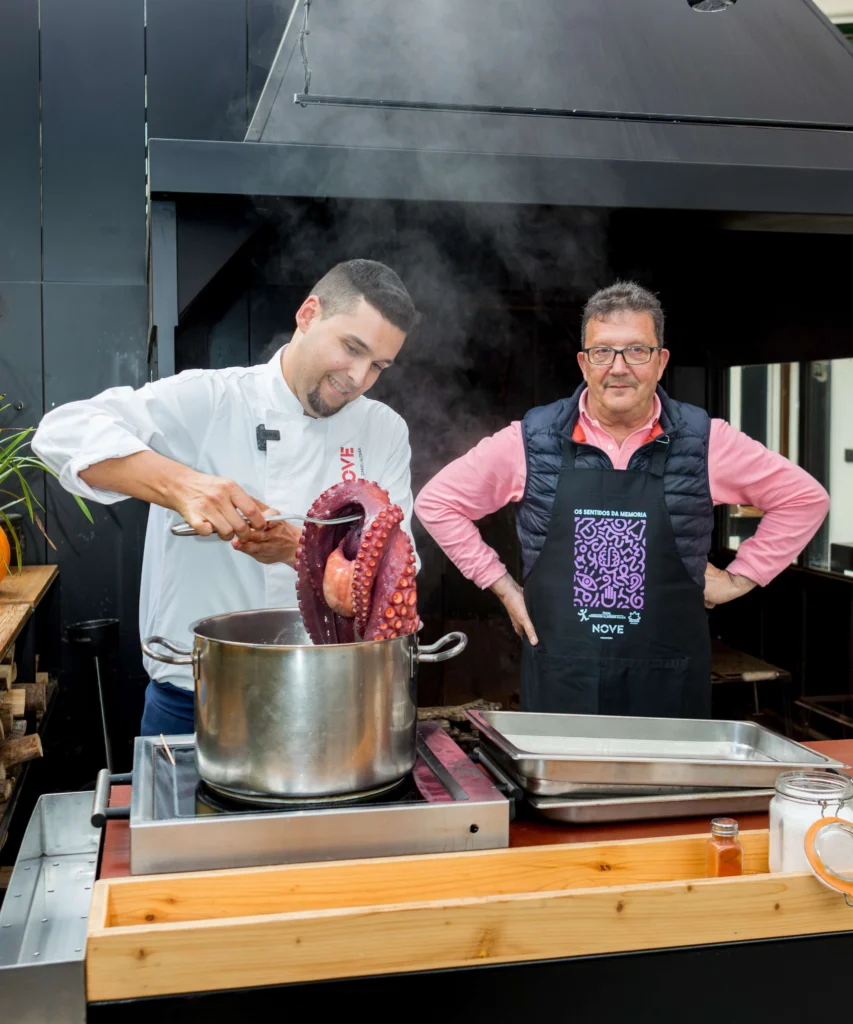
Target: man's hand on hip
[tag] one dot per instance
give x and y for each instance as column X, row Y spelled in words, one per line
column 277, row 543
column 721, row 586
column 511, row 596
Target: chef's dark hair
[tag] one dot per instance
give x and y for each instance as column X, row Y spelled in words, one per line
column 623, row 297
column 340, row 290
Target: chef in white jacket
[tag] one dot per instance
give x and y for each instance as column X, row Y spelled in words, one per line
column 214, row 446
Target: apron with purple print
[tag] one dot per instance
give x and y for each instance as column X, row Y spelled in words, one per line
column 622, row 627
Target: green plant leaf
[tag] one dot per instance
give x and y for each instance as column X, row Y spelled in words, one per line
column 26, row 492
column 14, row 461
column 85, row 508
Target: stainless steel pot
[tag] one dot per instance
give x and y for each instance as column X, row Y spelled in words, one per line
column 278, row 719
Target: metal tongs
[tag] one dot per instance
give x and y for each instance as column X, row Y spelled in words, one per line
column 185, row 530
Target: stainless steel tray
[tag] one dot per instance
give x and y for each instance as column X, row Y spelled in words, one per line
column 689, row 804
column 560, row 787
column 556, row 755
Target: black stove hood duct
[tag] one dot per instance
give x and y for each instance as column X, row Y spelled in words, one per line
column 740, row 105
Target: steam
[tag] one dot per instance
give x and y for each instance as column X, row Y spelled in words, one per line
column 500, row 288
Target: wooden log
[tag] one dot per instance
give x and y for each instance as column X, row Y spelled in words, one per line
column 6, row 789
column 9, row 656
column 16, row 700
column 19, row 727
column 8, row 674
column 42, row 677
column 35, row 696
column 5, row 877
column 20, row 749
column 3, row 724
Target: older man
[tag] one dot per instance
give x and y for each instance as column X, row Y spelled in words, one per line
column 615, row 489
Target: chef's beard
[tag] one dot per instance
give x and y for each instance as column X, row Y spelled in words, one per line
column 319, row 406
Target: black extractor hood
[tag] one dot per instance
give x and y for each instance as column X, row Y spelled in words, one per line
column 740, row 105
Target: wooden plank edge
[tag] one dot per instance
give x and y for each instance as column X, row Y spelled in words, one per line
column 25, row 612
column 168, row 959
column 42, row 577
column 381, row 881
column 99, row 908
column 509, row 853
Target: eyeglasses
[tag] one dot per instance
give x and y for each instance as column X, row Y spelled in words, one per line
column 634, row 355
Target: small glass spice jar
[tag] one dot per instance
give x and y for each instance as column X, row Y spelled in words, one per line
column 802, row 798
column 723, row 852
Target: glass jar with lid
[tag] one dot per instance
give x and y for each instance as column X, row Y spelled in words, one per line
column 801, row 799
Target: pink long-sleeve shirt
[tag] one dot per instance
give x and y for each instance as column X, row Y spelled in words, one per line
column 741, row 472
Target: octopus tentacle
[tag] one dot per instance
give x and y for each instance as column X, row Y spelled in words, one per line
column 357, row 579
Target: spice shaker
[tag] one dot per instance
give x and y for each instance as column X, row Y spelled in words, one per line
column 723, row 852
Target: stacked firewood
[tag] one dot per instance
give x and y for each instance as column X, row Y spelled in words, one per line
column 452, row 719
column 21, row 708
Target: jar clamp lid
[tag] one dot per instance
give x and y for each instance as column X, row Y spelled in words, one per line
column 829, row 850
column 811, row 787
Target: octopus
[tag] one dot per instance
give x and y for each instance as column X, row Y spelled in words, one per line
column 356, row 581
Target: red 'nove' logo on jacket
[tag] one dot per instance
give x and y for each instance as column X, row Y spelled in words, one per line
column 348, row 465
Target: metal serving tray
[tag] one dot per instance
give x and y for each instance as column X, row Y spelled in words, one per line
column 44, row 917
column 559, row 755
column 688, row 804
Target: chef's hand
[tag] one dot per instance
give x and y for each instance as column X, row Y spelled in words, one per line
column 277, row 543
column 512, row 597
column 212, row 504
column 721, row 586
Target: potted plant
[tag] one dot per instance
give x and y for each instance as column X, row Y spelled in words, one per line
column 16, row 461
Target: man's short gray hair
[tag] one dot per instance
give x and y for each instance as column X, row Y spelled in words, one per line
column 623, row 297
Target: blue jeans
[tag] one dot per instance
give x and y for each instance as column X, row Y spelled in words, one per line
column 168, row 710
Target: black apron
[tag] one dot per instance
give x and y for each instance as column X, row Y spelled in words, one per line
column 622, row 627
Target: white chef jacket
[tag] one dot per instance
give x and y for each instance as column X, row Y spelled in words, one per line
column 208, row 420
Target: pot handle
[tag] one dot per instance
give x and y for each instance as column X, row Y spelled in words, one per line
column 185, row 654
column 432, row 653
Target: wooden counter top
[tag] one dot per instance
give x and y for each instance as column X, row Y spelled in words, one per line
column 19, row 595
column 116, row 857
column 27, row 587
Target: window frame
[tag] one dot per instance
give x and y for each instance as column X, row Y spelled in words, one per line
column 813, row 430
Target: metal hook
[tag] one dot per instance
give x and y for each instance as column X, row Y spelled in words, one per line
column 825, row 803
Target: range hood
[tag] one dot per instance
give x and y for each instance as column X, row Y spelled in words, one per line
column 617, row 103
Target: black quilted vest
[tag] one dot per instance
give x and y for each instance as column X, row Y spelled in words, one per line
column 686, row 488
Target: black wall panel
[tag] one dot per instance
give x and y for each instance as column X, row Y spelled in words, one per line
column 21, row 383
column 20, row 201
column 93, row 66
column 20, row 235
column 20, row 353
column 197, row 69
column 95, row 338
